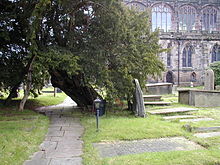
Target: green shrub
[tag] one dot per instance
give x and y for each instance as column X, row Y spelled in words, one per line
column 216, row 68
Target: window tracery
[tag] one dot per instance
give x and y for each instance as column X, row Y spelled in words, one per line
column 137, row 6
column 187, row 18
column 161, row 17
column 216, row 53
column 187, row 56
column 209, row 18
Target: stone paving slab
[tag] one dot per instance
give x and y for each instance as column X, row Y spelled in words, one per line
column 55, row 133
column 72, row 161
column 206, row 129
column 178, row 117
column 64, row 153
column 48, row 145
column 196, row 120
column 207, row 135
column 171, row 110
column 37, row 162
column 67, row 138
column 112, row 149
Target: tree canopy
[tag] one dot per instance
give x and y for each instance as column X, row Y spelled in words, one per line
column 82, row 45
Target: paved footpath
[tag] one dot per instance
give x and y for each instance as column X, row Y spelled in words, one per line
column 63, row 143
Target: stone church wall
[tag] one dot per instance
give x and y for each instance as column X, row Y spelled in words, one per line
column 198, row 40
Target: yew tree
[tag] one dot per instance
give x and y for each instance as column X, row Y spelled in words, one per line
column 89, row 48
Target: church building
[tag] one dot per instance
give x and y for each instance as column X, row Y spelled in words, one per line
column 191, row 31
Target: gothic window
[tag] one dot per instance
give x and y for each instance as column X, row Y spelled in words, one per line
column 216, row 53
column 187, row 17
column 137, row 6
column 169, row 55
column 209, row 18
column 161, row 17
column 187, row 56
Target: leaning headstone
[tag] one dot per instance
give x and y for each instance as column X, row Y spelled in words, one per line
column 209, row 80
column 139, row 107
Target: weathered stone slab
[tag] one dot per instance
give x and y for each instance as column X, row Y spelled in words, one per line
column 75, row 125
column 64, row 153
column 209, row 80
column 47, row 138
column 179, row 117
column 71, row 133
column 199, row 98
column 207, row 135
column 73, row 128
column 147, row 145
column 67, row 161
column 206, row 129
column 37, row 162
column 171, row 110
column 60, row 124
column 138, row 104
column 48, row 145
column 156, row 103
column 55, row 133
column 159, row 88
column 54, row 128
column 152, row 97
column 38, row 155
column 69, row 144
column 196, row 120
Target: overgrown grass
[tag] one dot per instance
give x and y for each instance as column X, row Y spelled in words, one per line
column 123, row 126
column 22, row 132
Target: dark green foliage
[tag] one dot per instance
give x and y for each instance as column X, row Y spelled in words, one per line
column 100, row 40
column 216, row 68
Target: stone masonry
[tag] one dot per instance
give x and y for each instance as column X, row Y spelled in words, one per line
column 200, row 38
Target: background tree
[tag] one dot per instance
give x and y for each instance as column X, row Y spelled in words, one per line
column 216, row 68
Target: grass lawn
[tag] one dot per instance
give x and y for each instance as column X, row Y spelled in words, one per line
column 123, row 126
column 22, row 132
column 46, row 99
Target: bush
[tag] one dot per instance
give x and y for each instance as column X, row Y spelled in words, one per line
column 216, row 68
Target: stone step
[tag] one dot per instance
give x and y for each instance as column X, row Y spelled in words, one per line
column 206, row 129
column 156, row 103
column 207, row 135
column 179, row 117
column 152, row 97
column 171, row 110
column 196, row 120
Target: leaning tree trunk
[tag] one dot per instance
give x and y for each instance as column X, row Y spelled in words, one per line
column 74, row 87
column 26, row 92
column 29, row 82
column 13, row 92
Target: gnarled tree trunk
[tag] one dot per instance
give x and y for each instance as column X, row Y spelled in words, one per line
column 13, row 92
column 74, row 87
column 26, row 92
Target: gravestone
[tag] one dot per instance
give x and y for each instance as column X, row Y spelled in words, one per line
column 139, row 107
column 209, row 80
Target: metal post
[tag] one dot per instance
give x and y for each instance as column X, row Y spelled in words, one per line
column 97, row 120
